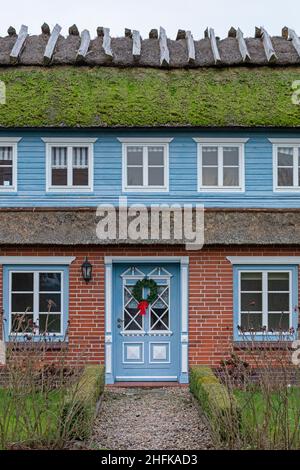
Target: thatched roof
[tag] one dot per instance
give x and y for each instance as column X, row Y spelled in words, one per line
column 78, row 227
column 155, row 51
column 145, row 97
column 77, row 81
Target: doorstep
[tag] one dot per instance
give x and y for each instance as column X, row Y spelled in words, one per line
column 145, row 384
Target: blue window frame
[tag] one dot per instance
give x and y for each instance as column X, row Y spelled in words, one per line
column 265, row 302
column 35, row 299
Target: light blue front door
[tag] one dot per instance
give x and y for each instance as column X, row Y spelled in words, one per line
column 146, row 348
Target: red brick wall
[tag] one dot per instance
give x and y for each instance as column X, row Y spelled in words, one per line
column 210, row 297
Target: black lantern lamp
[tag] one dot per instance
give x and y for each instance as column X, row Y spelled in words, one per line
column 86, row 270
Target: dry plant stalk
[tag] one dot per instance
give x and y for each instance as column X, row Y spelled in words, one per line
column 37, row 390
column 262, row 379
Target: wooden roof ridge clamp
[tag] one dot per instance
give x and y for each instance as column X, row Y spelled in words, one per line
column 19, row 44
column 163, row 45
column 243, row 46
column 107, row 43
column 268, row 46
column 136, row 44
column 84, row 45
column 292, row 36
column 210, row 33
column 49, row 50
column 191, row 47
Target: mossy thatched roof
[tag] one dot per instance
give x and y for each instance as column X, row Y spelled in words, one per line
column 136, row 97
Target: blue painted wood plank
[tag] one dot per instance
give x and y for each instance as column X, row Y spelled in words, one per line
column 182, row 171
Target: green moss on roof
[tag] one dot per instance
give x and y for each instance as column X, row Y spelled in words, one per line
column 106, row 96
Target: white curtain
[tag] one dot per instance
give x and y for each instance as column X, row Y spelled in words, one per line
column 5, row 153
column 80, row 157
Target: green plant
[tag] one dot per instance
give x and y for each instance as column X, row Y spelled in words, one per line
column 221, row 410
column 268, row 395
column 71, row 96
column 80, row 408
column 37, row 393
column 137, row 290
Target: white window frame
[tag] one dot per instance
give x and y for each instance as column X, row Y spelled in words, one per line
column 11, row 142
column 220, row 143
column 295, row 145
column 141, row 142
column 264, row 273
column 36, row 293
column 69, row 143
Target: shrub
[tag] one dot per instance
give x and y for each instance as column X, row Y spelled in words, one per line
column 221, row 410
column 268, row 394
column 80, row 408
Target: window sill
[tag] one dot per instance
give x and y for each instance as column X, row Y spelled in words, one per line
column 35, row 346
column 80, row 189
column 287, row 189
column 145, row 190
column 263, row 345
column 220, row 190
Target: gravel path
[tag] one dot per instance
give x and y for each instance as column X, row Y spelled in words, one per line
column 150, row 419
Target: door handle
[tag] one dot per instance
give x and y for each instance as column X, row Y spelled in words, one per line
column 120, row 320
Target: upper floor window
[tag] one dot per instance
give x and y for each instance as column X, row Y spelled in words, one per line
column 220, row 164
column 69, row 164
column 8, row 164
column 286, row 165
column 145, row 164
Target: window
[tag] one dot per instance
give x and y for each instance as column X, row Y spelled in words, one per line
column 286, row 167
column 36, row 302
column 220, row 164
column 266, row 300
column 69, row 165
column 8, row 165
column 145, row 165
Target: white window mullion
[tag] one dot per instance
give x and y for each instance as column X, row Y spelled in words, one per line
column 70, row 166
column 200, row 166
column 291, row 300
column 265, row 299
column 276, row 166
column 295, row 164
column 241, row 166
column 220, row 166
column 36, row 298
column 165, row 165
column 145, row 166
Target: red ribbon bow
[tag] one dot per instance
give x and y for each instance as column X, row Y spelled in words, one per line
column 142, row 306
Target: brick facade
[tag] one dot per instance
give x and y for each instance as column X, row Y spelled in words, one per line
column 210, row 297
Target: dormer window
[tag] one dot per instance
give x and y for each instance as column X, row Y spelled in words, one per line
column 69, row 164
column 220, row 164
column 8, row 164
column 145, row 165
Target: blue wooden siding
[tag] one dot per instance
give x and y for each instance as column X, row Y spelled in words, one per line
column 182, row 171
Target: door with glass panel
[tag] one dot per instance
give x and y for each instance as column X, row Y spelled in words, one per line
column 146, row 347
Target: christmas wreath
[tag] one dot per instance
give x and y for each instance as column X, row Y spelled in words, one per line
column 137, row 293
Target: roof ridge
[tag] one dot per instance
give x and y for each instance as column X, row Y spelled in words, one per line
column 51, row 47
